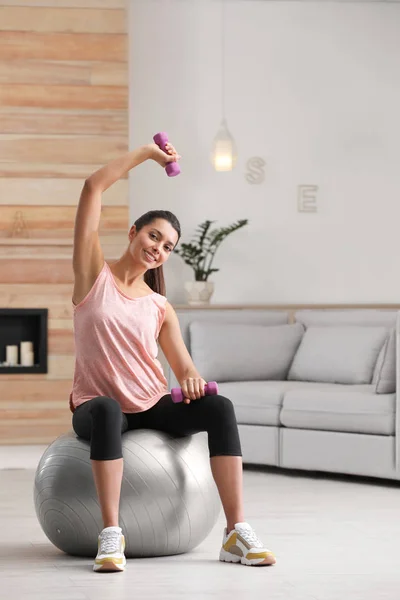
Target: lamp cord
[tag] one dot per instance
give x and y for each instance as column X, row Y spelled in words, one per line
column 223, row 58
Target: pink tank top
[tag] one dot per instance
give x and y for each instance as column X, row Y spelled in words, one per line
column 116, row 346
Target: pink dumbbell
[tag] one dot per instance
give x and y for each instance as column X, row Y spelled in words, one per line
column 210, row 389
column 161, row 139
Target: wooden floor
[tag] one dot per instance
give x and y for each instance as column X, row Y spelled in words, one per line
column 335, row 538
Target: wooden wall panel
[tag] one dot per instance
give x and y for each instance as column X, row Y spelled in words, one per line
column 62, row 46
column 27, row 120
column 108, row 73
column 63, row 114
column 61, row 341
column 55, row 391
column 50, row 171
column 63, row 96
column 56, row 249
column 65, row 192
column 60, row 149
column 39, row 72
column 109, row 4
column 55, row 221
column 47, row 72
column 36, row 271
column 33, row 412
column 33, row 431
column 64, row 324
column 60, row 367
column 56, row 298
column 61, row 20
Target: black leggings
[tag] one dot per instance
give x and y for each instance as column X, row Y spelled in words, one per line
column 102, row 421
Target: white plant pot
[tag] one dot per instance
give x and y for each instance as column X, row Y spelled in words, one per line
column 199, row 292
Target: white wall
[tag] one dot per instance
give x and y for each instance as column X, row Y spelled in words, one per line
column 313, row 88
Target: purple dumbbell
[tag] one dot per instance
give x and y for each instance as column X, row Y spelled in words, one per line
column 210, row 389
column 161, row 139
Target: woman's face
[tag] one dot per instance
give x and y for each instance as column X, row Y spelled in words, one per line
column 154, row 243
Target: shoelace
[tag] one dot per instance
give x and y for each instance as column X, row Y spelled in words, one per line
column 109, row 542
column 250, row 537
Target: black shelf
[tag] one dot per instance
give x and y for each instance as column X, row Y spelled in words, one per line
column 24, row 324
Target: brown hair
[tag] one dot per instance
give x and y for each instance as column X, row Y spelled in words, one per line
column 155, row 277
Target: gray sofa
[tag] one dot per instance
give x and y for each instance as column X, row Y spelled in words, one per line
column 313, row 390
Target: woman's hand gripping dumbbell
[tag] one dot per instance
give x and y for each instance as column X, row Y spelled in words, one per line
column 171, row 166
column 211, row 388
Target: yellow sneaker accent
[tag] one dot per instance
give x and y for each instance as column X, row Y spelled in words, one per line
column 242, row 545
column 262, row 555
column 231, row 541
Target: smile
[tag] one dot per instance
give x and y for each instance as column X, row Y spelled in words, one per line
column 149, row 256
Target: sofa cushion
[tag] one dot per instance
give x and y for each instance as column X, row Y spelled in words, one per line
column 260, row 402
column 239, row 352
column 356, row 412
column 255, row 402
column 345, row 354
column 385, row 371
column 247, row 316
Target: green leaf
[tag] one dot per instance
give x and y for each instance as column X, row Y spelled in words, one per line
column 204, row 245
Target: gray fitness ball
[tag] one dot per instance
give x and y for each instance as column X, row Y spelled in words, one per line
column 169, row 501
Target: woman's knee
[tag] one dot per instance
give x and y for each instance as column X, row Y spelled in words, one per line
column 221, row 408
column 105, row 412
column 98, row 413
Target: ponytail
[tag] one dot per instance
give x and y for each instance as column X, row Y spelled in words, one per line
column 154, row 278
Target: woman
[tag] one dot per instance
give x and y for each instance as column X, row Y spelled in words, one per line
column 120, row 312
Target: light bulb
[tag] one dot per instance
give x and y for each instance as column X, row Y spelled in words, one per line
column 224, row 153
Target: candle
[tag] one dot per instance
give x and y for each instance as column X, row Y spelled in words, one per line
column 26, row 346
column 27, row 354
column 27, row 359
column 12, row 355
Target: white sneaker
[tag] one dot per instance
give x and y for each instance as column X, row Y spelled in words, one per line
column 242, row 545
column 110, row 555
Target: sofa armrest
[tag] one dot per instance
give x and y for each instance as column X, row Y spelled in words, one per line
column 397, row 415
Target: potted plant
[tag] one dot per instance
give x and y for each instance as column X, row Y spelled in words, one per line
column 199, row 254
